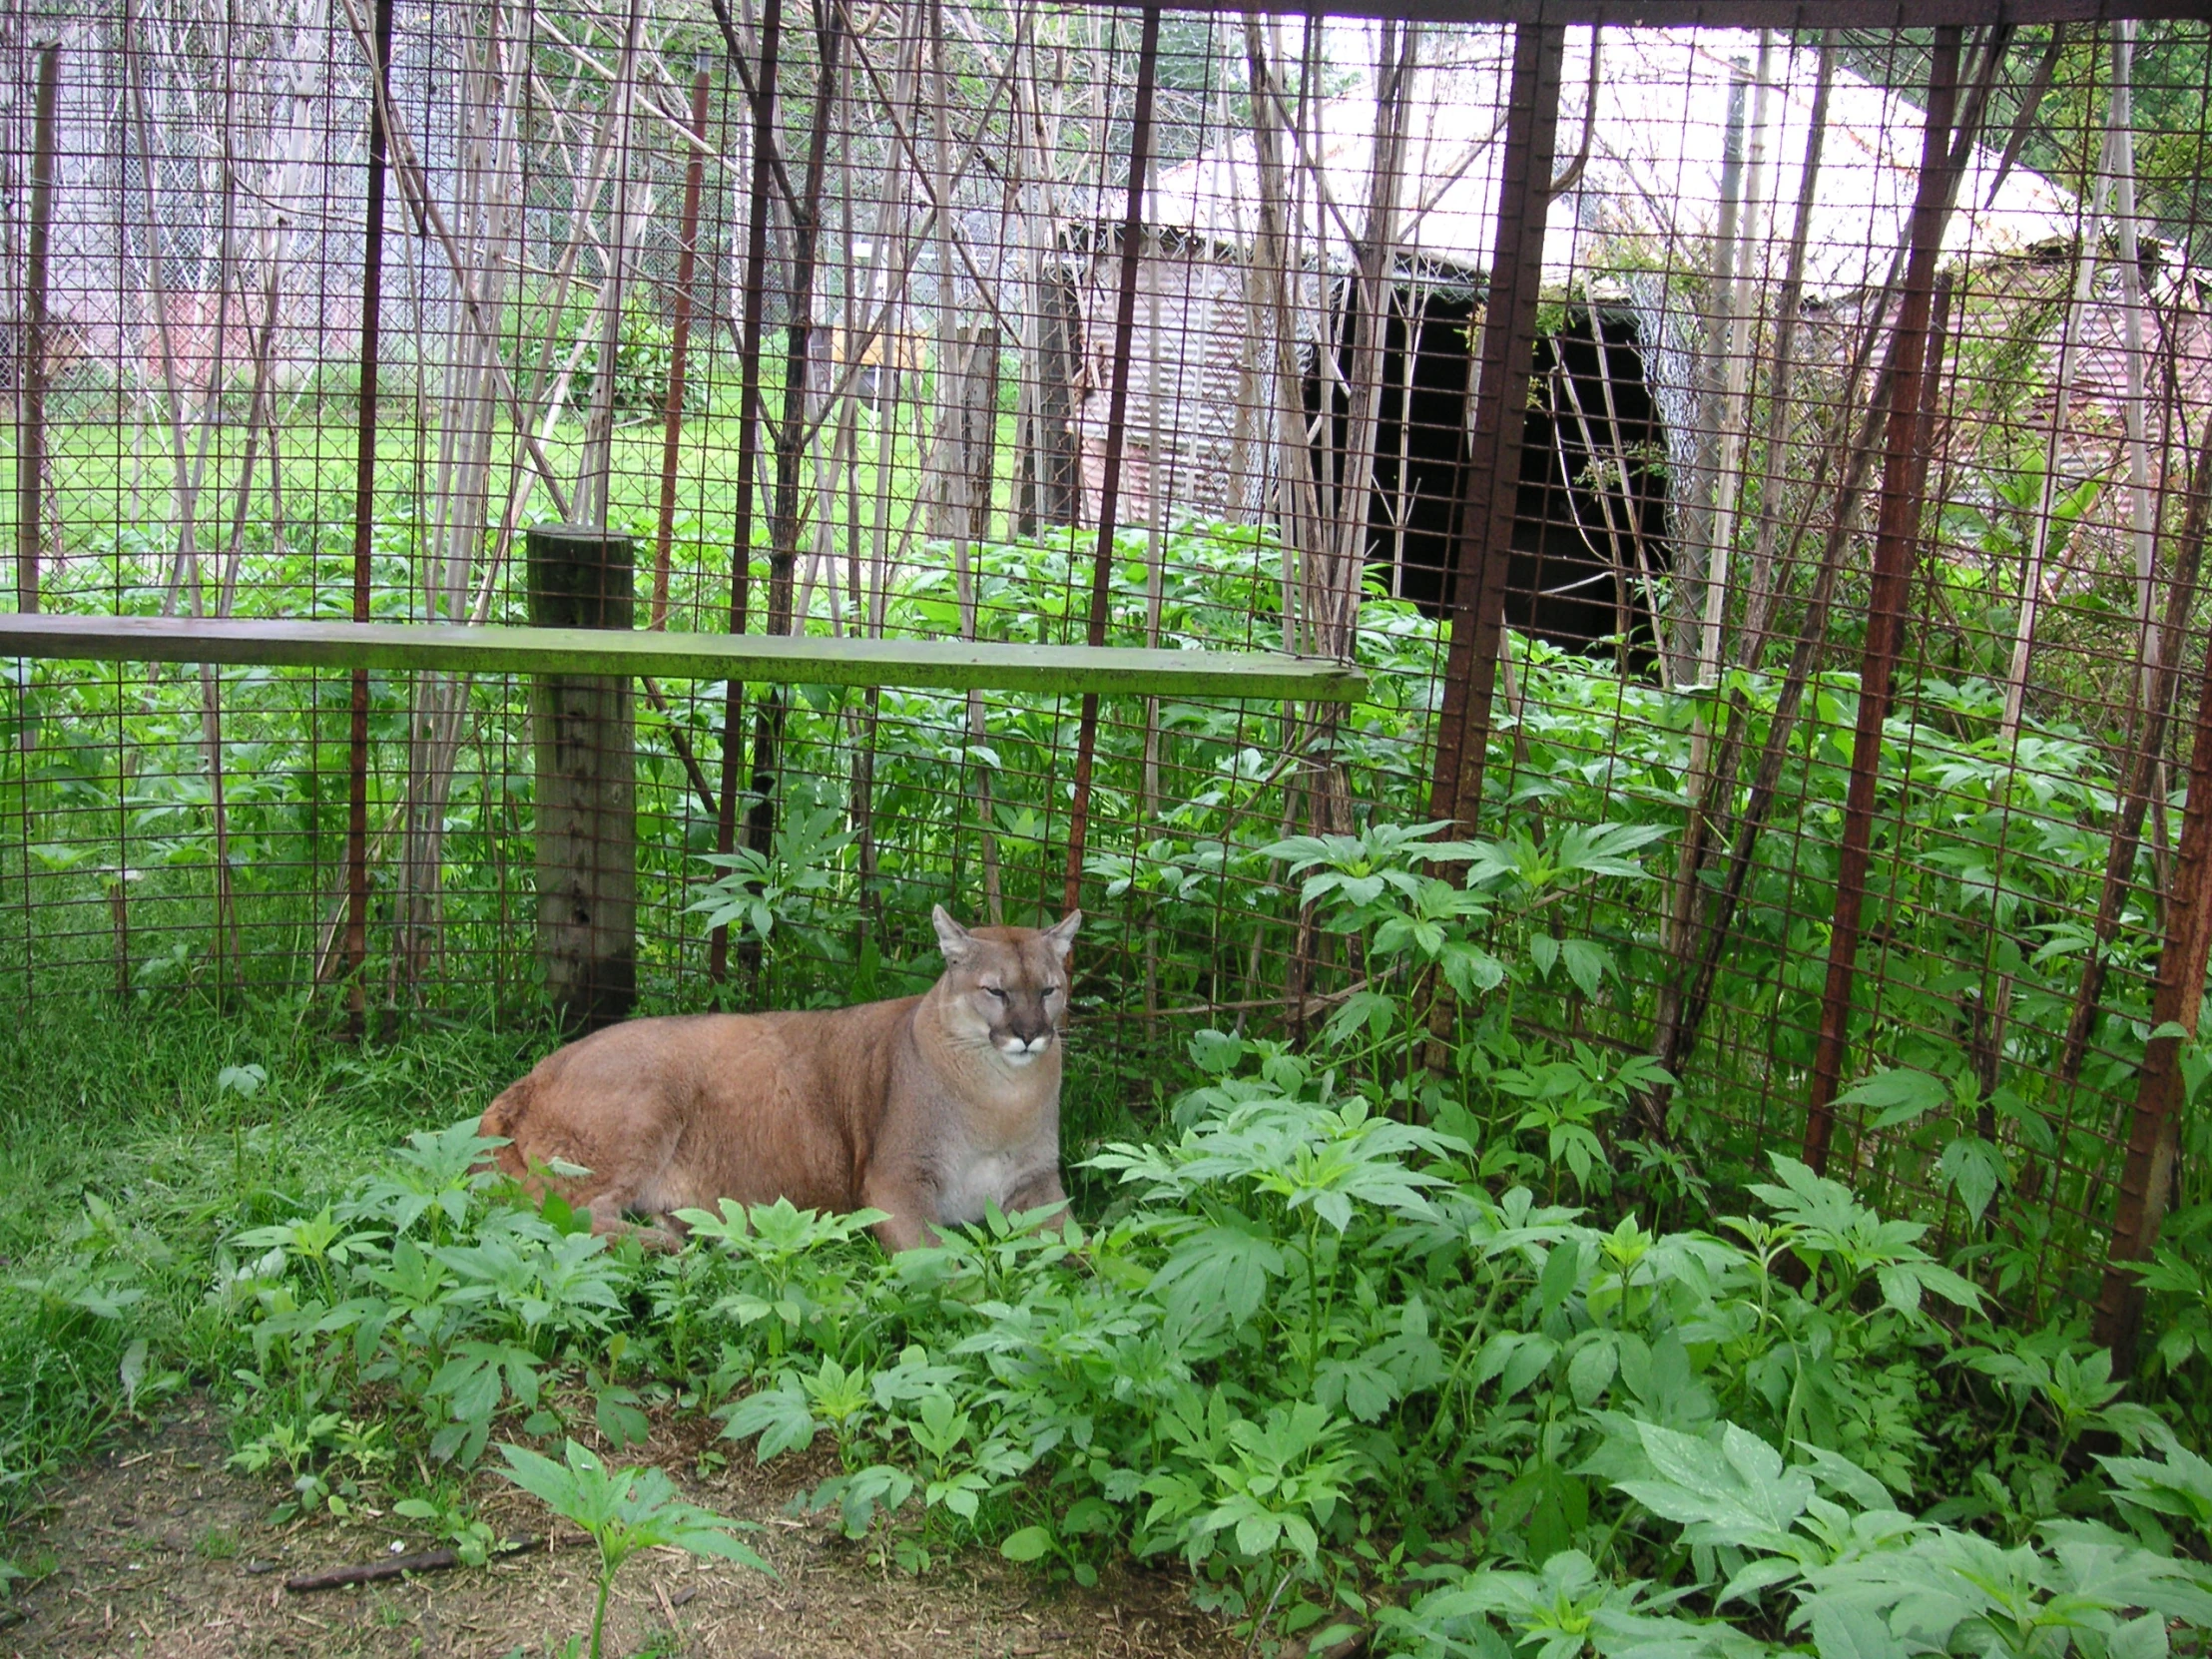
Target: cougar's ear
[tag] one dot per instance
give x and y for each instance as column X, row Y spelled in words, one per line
column 954, row 939
column 1061, row 934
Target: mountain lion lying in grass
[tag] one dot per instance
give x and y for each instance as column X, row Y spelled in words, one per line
column 929, row 1108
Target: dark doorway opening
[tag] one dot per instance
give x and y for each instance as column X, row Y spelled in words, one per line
column 1589, row 544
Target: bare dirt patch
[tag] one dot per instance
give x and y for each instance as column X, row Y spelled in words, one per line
column 155, row 1549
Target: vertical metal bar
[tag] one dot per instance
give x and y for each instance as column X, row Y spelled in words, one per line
column 2177, row 1001
column 790, row 436
column 687, row 258
column 749, row 442
column 1117, row 418
column 1846, row 451
column 671, row 422
column 2149, row 745
column 30, row 452
column 1489, row 476
column 1897, row 532
column 355, row 956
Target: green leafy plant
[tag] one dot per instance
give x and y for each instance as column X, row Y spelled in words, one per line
column 760, row 890
column 625, row 1512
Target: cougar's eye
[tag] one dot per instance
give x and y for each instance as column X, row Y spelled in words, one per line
column 1052, row 990
column 995, row 991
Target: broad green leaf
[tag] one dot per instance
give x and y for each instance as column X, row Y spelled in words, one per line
column 1975, row 1170
column 1731, row 1489
column 1591, row 1371
column 1897, row 1097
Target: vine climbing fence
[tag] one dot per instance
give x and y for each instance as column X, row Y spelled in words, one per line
column 1758, row 470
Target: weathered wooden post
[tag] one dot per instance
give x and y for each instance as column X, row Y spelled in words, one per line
column 1051, row 491
column 969, row 444
column 582, row 728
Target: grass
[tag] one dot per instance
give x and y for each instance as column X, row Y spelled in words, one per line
column 119, row 1145
column 109, row 499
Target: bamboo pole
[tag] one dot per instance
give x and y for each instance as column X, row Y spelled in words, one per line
column 353, row 963
column 2033, row 577
column 1270, row 298
column 182, row 476
column 966, row 397
column 2149, row 747
column 1856, row 428
column 2153, row 1146
column 1730, row 332
column 1337, row 593
column 891, row 212
column 415, row 185
column 487, row 217
column 2142, row 516
column 2120, row 186
column 1718, row 428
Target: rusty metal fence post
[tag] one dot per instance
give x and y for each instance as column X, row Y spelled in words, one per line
column 1117, row 415
column 754, row 285
column 1489, row 486
column 354, row 959
column 2177, row 1001
column 1897, row 533
column 31, row 347
column 678, row 341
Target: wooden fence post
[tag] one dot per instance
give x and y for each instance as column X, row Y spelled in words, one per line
column 582, row 730
column 1050, row 478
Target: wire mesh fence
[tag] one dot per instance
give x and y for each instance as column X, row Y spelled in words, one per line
column 1763, row 473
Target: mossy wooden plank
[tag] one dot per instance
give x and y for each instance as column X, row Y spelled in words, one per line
column 953, row 665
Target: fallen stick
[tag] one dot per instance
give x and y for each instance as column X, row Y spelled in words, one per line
column 396, row 1566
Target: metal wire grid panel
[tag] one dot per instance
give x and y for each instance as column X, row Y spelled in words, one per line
column 1787, row 439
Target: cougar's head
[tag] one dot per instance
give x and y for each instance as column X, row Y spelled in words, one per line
column 1007, row 987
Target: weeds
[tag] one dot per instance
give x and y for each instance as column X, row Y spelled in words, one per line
column 625, row 1512
column 1358, row 1344
column 1312, row 1357
column 130, row 1167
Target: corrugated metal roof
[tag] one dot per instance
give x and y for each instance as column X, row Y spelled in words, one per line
column 1650, row 194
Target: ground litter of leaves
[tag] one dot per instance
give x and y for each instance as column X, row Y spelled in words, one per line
column 156, row 1549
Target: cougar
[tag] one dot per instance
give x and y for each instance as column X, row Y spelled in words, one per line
column 929, row 1108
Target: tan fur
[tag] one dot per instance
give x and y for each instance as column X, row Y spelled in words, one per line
column 929, row 1108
